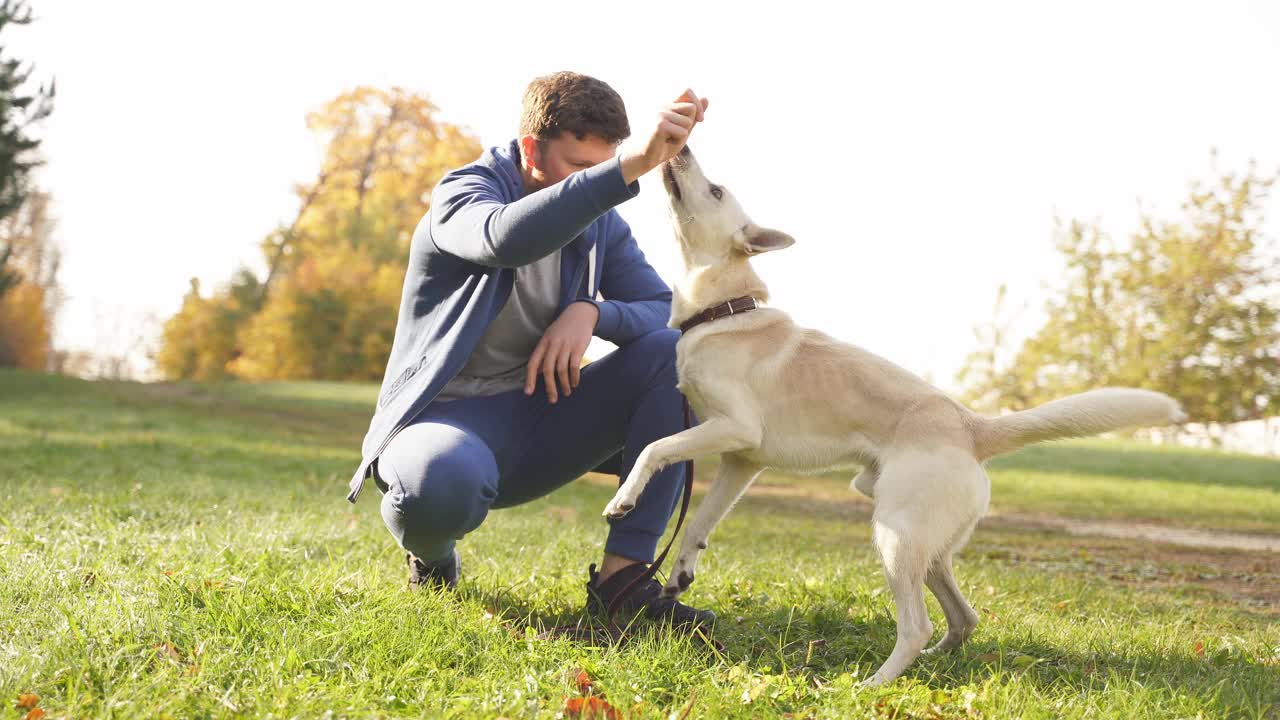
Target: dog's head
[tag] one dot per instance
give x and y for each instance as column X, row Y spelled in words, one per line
column 709, row 222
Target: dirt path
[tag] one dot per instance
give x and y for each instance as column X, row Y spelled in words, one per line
column 855, row 504
column 1187, row 537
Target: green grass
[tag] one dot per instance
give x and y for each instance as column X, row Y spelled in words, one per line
column 186, row 551
column 1121, row 481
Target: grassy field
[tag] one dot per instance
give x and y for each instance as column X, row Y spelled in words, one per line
column 185, row 551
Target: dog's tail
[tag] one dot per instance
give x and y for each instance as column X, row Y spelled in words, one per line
column 1087, row 413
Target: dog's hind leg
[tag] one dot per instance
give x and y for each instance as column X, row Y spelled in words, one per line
column 922, row 512
column 735, row 476
column 906, row 561
column 961, row 617
column 941, row 580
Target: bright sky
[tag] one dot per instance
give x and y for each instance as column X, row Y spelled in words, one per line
column 917, row 152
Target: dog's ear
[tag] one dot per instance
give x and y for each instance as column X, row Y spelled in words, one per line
column 762, row 240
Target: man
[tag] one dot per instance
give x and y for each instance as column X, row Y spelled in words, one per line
column 520, row 260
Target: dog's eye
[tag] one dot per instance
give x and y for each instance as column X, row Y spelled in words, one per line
column 717, row 192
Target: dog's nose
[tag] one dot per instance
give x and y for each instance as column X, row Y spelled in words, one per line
column 685, row 152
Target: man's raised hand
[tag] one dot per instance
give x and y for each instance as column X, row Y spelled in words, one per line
column 674, row 123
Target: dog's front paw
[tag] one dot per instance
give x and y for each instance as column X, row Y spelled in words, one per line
column 679, row 582
column 619, row 506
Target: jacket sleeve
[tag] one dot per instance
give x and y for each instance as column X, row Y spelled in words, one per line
column 468, row 218
column 637, row 301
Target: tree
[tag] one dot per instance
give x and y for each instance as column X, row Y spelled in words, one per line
column 19, row 110
column 28, row 260
column 29, row 309
column 981, row 373
column 328, row 304
column 1189, row 307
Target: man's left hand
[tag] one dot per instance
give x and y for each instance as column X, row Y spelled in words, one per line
column 559, row 352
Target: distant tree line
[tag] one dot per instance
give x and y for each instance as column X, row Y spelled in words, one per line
column 1189, row 306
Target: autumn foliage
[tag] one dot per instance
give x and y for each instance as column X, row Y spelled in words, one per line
column 327, row 305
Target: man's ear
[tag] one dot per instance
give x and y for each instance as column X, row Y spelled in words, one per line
column 762, row 240
column 529, row 152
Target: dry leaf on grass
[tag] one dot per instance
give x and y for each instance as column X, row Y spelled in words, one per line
column 26, row 701
column 168, row 650
column 590, row 708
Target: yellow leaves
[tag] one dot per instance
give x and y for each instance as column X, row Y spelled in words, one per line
column 336, row 272
column 24, row 327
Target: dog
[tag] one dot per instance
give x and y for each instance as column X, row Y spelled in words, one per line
column 771, row 394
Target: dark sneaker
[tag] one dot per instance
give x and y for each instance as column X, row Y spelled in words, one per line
column 442, row 574
column 646, row 596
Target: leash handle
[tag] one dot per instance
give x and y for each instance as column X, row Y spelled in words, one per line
column 684, row 508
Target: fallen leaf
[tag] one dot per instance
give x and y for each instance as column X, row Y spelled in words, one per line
column 26, row 701
column 1063, row 605
column 590, row 708
column 988, row 658
column 56, row 491
column 35, row 714
column 1199, row 649
column 167, row 649
column 582, row 681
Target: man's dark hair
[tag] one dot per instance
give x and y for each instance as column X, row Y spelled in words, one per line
column 570, row 102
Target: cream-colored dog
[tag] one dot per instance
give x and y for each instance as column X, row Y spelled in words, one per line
column 770, row 394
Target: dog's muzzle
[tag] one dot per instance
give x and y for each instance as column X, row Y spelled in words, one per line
column 669, row 179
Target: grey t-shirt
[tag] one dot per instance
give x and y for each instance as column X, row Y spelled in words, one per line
column 499, row 362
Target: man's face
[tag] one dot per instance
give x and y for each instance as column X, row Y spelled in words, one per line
column 554, row 160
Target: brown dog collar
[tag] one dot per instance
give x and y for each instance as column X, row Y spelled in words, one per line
column 724, row 309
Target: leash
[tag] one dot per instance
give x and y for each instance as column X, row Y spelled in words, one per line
column 684, row 508
column 611, row 631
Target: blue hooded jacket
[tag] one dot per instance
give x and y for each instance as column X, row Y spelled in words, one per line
column 461, row 270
